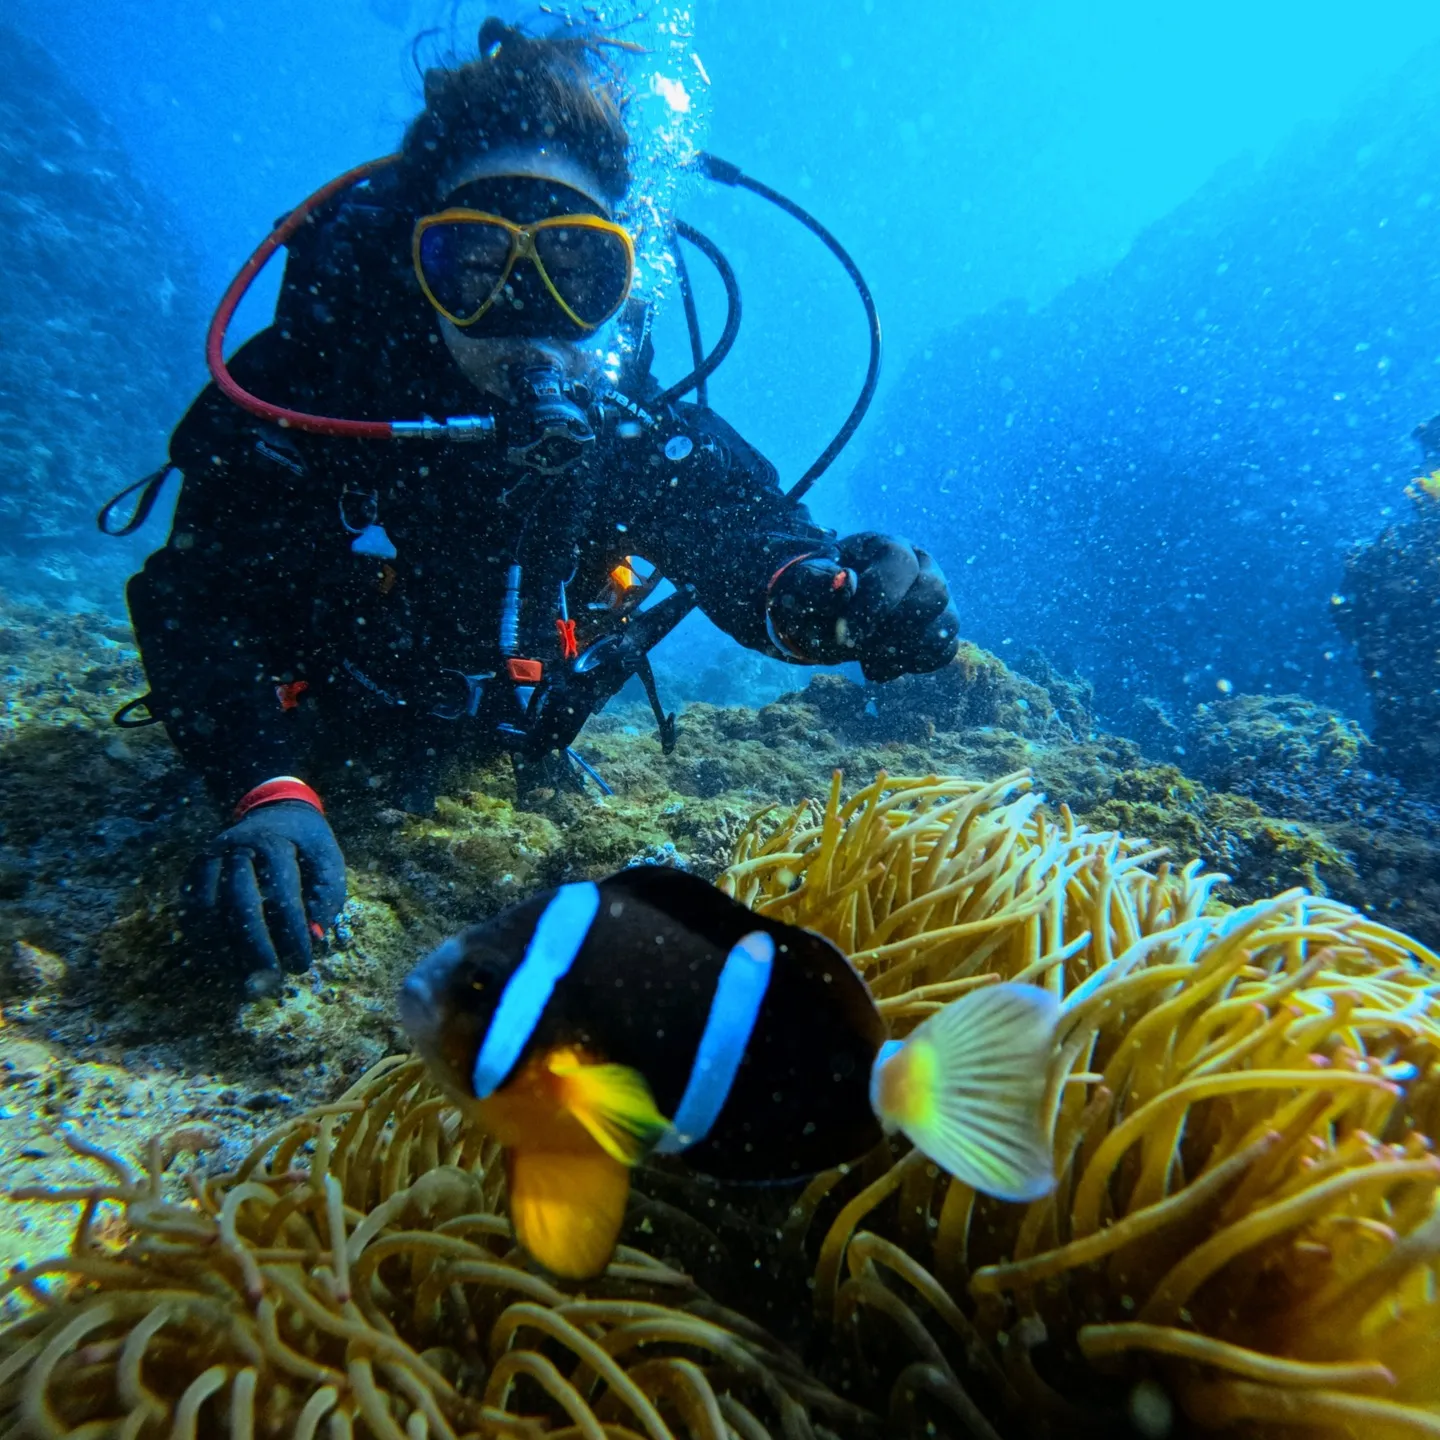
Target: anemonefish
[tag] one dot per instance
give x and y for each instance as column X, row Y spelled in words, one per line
column 649, row 1013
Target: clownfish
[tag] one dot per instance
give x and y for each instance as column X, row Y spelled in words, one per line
column 599, row 1023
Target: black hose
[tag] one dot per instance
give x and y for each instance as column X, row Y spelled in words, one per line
column 692, row 324
column 713, row 360
column 149, row 491
column 725, row 173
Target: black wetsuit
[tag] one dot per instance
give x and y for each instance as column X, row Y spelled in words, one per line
column 272, row 646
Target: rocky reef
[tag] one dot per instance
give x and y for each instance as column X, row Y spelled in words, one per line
column 100, row 322
column 1319, row 771
column 1389, row 610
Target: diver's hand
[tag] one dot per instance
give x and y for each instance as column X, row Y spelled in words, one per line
column 883, row 603
column 262, row 890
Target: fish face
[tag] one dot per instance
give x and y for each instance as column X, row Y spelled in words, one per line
column 446, row 1005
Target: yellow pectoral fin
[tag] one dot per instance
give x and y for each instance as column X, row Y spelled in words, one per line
column 567, row 1208
column 613, row 1103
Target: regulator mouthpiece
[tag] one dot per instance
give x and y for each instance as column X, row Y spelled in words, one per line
column 548, row 430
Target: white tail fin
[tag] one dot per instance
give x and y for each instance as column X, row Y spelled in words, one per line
column 967, row 1087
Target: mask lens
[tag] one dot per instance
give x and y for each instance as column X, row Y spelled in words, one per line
column 589, row 268
column 463, row 262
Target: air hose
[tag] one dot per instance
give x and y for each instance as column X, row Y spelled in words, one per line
column 460, row 427
column 725, row 173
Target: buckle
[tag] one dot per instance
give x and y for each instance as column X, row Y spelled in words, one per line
column 524, row 672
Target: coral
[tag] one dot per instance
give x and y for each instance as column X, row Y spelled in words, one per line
column 1243, row 1102
column 1425, row 489
column 353, row 1275
column 1390, row 611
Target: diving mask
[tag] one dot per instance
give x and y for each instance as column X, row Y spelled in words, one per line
column 469, row 264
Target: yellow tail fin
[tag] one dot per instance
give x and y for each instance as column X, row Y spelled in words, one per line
column 567, row 1208
column 968, row 1085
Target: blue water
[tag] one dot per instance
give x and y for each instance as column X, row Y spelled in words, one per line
column 1077, row 412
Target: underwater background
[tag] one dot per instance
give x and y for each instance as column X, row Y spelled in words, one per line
column 1161, row 296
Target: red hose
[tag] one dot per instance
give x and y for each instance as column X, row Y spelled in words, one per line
column 229, row 302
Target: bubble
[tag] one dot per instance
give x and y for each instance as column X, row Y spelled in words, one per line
column 1151, row 1412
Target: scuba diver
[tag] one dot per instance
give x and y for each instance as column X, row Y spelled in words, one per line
column 351, row 603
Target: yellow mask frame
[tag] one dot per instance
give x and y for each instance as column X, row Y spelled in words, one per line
column 522, row 247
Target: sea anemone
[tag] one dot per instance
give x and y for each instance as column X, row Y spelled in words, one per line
column 354, row 1277
column 1244, row 1226
column 1244, row 1104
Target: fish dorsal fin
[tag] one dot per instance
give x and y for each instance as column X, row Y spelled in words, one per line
column 567, row 1208
column 612, row 1102
column 695, row 904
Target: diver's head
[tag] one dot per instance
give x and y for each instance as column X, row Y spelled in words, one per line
column 518, row 165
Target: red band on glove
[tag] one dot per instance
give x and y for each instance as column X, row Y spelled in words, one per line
column 287, row 787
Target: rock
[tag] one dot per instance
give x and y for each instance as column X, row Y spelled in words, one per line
column 1073, row 696
column 1288, row 753
column 976, row 689
column 33, row 971
column 1262, row 854
column 1389, row 609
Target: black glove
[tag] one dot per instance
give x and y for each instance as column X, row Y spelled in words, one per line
column 262, row 890
column 883, row 603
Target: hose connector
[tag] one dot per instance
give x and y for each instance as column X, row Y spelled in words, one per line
column 457, row 427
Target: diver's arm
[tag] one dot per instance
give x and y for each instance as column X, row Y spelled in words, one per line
column 217, row 613
column 720, row 523
column 769, row 576
column 220, row 615
column 210, row 681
